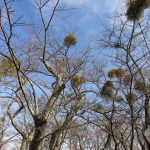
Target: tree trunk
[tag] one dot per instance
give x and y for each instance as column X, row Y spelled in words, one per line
column 40, row 127
column 132, row 127
column 107, row 144
column 57, row 139
column 24, row 144
column 147, row 112
column 59, row 134
column 146, row 140
column 140, row 141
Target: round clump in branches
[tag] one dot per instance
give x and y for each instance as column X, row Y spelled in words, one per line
column 116, row 73
column 2, row 119
column 117, row 45
column 70, row 40
column 78, row 80
column 131, row 98
column 79, row 97
column 127, row 79
column 136, row 8
column 147, row 3
column 140, row 86
column 98, row 108
column 7, row 67
column 112, row 73
column 107, row 90
column 120, row 73
column 119, row 99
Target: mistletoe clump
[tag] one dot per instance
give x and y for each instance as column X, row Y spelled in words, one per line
column 140, row 86
column 112, row 73
column 116, row 73
column 136, row 8
column 7, row 67
column 2, row 119
column 127, row 79
column 98, row 108
column 107, row 90
column 131, row 97
column 70, row 40
column 78, row 80
column 119, row 98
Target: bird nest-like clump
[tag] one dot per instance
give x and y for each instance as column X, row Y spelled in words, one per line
column 7, row 67
column 107, row 90
column 70, row 40
column 116, row 73
column 131, row 98
column 136, row 8
column 78, row 80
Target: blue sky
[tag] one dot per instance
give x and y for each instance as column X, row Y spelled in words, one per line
column 87, row 20
column 84, row 20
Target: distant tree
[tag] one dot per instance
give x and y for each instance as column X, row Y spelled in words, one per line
column 132, row 55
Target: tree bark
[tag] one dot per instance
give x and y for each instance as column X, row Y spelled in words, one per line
column 58, row 135
column 24, row 144
column 140, row 141
column 132, row 127
column 57, row 139
column 107, row 144
column 41, row 119
column 147, row 112
column 40, row 127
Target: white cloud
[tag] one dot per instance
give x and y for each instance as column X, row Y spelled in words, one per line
column 96, row 6
column 75, row 2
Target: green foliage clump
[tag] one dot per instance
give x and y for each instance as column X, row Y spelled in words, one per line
column 117, row 45
column 136, row 8
column 140, row 86
column 70, row 40
column 112, row 73
column 98, row 108
column 78, row 80
column 146, row 3
column 107, row 90
column 131, row 98
column 2, row 119
column 7, row 67
column 119, row 98
column 116, row 73
column 127, row 79
column 78, row 97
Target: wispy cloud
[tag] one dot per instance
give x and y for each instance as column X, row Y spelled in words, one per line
column 96, row 6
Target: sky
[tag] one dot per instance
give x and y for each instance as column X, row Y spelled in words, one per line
column 96, row 6
column 88, row 17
